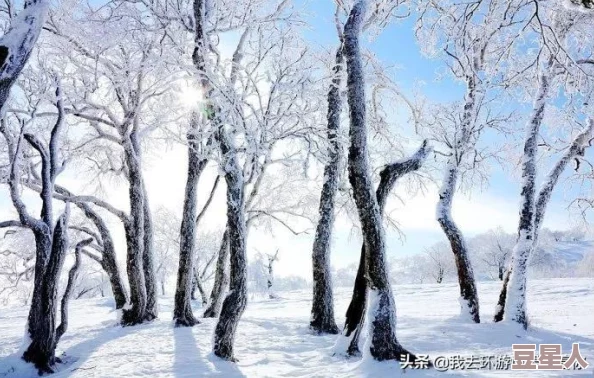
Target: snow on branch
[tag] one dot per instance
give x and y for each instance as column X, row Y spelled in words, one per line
column 18, row 42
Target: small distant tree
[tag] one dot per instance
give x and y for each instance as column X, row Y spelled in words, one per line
column 491, row 251
column 270, row 280
column 439, row 262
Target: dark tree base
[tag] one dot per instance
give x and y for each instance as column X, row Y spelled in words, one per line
column 209, row 313
column 186, row 321
column 44, row 361
column 500, row 311
column 130, row 319
column 223, row 356
column 322, row 327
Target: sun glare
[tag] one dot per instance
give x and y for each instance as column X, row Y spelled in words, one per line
column 190, row 95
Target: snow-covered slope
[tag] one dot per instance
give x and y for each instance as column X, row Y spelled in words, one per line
column 274, row 341
column 572, row 252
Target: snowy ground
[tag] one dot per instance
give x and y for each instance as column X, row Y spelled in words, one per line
column 273, row 339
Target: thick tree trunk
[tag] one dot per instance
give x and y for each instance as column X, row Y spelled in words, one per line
column 134, row 228
column 108, row 260
column 236, row 300
column 355, row 314
column 182, row 312
column 512, row 299
column 383, row 344
column 221, row 281
column 322, row 309
column 469, row 301
column 41, row 350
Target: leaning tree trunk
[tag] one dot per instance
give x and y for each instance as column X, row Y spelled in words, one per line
column 41, row 351
column 72, row 274
column 134, row 228
column 576, row 148
column 355, row 314
column 182, row 312
column 469, row 301
column 382, row 342
column 108, row 257
column 198, row 285
column 322, row 309
column 221, row 281
column 512, row 299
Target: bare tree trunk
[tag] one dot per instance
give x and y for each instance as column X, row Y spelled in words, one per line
column 383, row 344
column 515, row 309
column 355, row 314
column 322, row 309
column 63, row 327
column 134, row 228
column 221, row 281
column 148, row 265
column 576, row 148
column 200, row 288
column 182, row 312
column 236, row 300
column 270, row 278
column 469, row 301
column 41, row 350
column 108, row 260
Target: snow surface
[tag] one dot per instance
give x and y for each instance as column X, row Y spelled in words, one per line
column 274, row 340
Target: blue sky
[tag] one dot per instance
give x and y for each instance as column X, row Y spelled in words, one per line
column 492, row 206
column 486, row 208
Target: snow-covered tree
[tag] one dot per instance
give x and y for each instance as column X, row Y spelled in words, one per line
column 51, row 237
column 491, row 251
column 556, row 64
column 383, row 344
column 473, row 39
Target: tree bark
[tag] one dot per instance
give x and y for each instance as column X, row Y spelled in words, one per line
column 108, row 260
column 182, row 312
column 148, row 265
column 41, row 350
column 469, row 301
column 515, row 284
column 200, row 288
column 221, row 281
column 134, row 229
column 236, row 300
column 383, row 344
column 63, row 327
column 322, row 310
column 355, row 314
column 576, row 148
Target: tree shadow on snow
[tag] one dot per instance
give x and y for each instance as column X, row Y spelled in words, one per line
column 75, row 356
column 190, row 362
column 453, row 336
